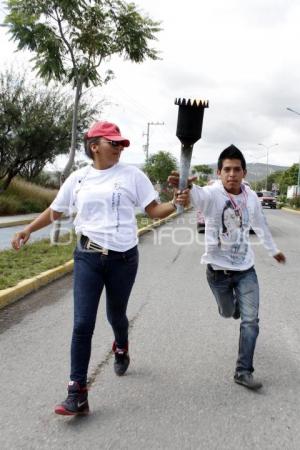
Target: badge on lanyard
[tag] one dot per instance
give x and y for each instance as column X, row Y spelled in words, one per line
column 238, row 209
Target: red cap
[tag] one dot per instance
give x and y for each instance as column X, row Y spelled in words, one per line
column 109, row 131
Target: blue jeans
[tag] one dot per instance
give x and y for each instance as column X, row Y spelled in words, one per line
column 241, row 287
column 92, row 272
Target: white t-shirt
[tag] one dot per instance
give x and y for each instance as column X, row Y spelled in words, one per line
column 104, row 202
column 227, row 228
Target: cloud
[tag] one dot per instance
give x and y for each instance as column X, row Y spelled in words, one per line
column 241, row 55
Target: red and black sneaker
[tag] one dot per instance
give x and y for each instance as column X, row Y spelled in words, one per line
column 122, row 359
column 76, row 402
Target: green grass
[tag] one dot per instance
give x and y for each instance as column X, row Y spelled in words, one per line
column 143, row 220
column 36, row 257
column 31, row 260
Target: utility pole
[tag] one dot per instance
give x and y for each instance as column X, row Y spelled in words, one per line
column 146, row 146
column 298, row 187
column 255, row 182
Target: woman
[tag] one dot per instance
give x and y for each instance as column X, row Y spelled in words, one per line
column 104, row 196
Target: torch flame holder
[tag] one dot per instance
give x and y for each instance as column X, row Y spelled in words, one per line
column 189, row 130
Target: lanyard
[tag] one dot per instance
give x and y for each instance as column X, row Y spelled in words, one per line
column 238, row 209
column 80, row 182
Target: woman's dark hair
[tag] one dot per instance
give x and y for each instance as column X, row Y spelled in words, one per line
column 87, row 145
column 231, row 152
column 228, row 205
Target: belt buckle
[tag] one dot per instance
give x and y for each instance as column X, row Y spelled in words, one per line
column 92, row 246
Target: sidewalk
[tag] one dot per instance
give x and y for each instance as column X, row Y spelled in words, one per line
column 20, row 219
column 297, row 211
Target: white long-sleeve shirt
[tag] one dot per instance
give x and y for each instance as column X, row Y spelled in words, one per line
column 227, row 228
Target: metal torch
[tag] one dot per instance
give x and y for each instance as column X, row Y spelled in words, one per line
column 189, row 130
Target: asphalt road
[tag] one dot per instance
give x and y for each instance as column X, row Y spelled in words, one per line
column 6, row 235
column 178, row 393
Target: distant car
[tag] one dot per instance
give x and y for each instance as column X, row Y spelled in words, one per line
column 200, row 221
column 267, row 198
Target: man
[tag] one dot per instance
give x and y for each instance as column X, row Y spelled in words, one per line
column 230, row 209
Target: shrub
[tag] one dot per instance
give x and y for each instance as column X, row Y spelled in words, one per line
column 9, row 205
column 166, row 193
column 22, row 197
column 295, row 202
column 47, row 180
column 282, row 198
column 29, row 190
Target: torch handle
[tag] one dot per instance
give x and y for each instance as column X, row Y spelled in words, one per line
column 185, row 164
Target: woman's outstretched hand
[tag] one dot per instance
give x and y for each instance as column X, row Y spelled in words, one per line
column 20, row 239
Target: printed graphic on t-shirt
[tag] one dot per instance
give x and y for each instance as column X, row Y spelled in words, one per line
column 115, row 202
column 234, row 232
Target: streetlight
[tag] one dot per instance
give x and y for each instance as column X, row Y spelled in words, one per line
column 253, row 161
column 267, row 147
column 298, row 189
column 292, row 110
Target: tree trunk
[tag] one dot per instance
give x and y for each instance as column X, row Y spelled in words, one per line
column 70, row 162
column 7, row 181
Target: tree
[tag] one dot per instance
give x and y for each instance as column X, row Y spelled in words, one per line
column 202, row 171
column 35, row 126
column 159, row 166
column 283, row 179
column 71, row 38
column 288, row 178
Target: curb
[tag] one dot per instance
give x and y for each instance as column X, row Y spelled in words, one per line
column 290, row 210
column 15, row 223
column 12, row 294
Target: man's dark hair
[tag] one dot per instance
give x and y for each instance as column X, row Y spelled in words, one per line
column 231, row 152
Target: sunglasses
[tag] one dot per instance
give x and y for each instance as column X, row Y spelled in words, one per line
column 114, row 143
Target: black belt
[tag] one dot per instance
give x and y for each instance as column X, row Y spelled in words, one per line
column 228, row 272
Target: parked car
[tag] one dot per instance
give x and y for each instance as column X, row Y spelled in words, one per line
column 267, row 198
column 200, row 221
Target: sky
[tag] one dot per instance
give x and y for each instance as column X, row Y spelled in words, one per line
column 241, row 55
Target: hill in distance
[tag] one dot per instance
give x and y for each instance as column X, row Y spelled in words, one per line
column 256, row 171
